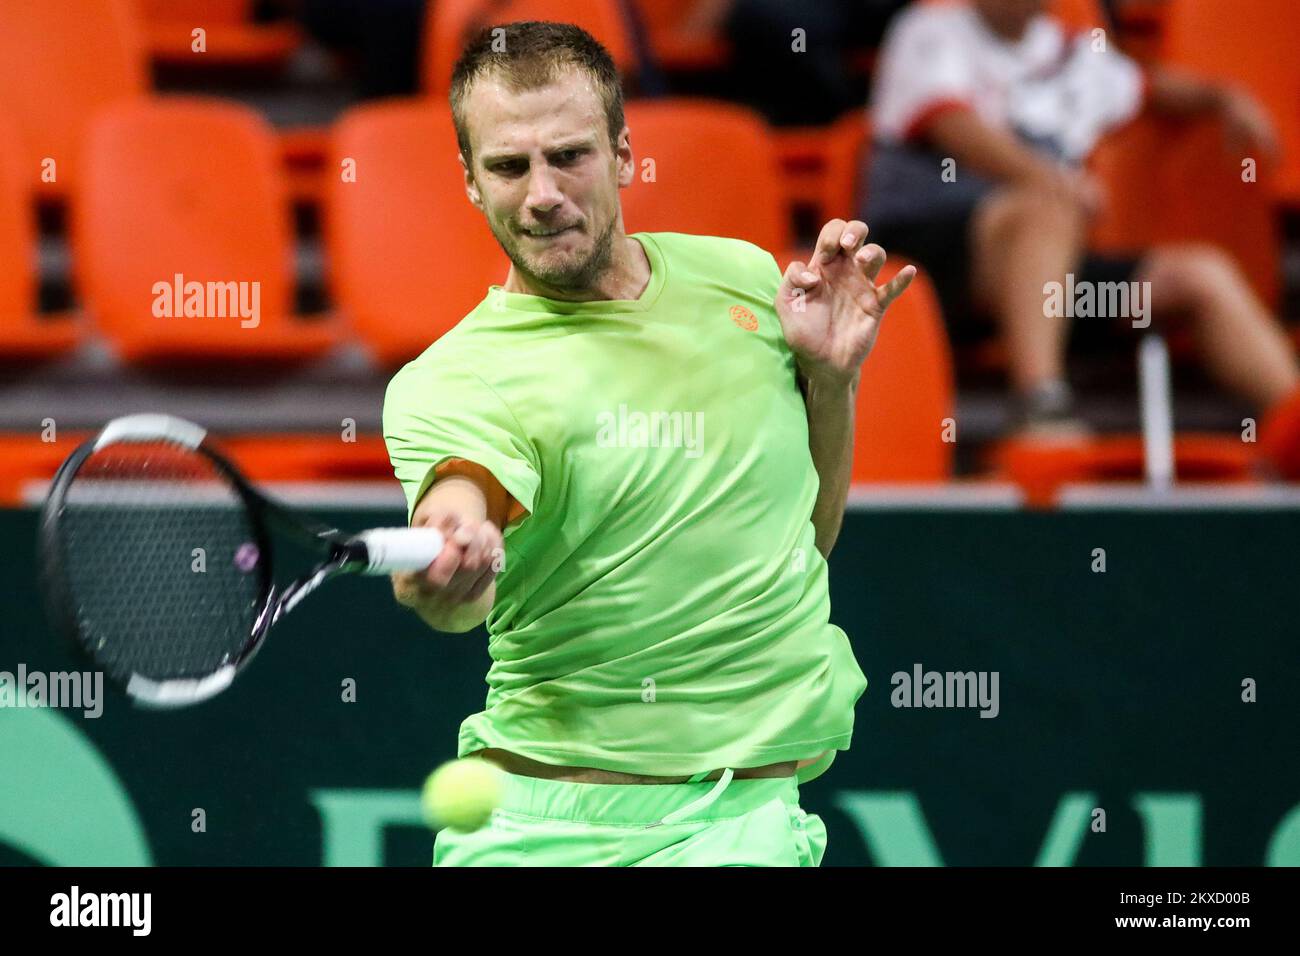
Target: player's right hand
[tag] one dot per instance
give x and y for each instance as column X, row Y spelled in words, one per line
column 464, row 569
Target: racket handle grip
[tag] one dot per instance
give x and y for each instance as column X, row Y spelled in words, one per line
column 400, row 549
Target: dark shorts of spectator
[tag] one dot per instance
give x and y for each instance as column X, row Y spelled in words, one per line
column 913, row 213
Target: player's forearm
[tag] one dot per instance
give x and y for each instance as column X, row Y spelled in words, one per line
column 830, row 439
column 444, row 595
column 445, row 617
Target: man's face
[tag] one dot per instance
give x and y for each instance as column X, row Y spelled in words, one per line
column 542, row 162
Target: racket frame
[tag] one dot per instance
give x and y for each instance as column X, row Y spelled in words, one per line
column 342, row 554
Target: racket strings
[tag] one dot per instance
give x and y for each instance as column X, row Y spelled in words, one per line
column 162, row 560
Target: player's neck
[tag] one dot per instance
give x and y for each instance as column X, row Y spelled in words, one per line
column 625, row 278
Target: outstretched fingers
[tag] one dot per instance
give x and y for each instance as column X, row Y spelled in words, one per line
column 870, row 259
column 895, row 287
column 799, row 276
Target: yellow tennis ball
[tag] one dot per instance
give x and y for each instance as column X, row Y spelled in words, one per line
column 462, row 794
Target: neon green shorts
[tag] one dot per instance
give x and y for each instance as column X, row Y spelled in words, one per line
column 726, row 822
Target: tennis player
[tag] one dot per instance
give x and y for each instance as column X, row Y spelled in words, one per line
column 639, row 448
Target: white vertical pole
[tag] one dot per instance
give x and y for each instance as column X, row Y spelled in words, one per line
column 1157, row 412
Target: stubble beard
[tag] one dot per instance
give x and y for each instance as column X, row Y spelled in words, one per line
column 567, row 276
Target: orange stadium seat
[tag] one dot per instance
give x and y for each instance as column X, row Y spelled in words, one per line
column 232, row 38
column 821, row 165
column 450, row 23
column 308, row 457
column 906, row 392
column 1252, row 45
column 715, row 172
column 1041, row 469
column 63, row 60
column 189, row 188
column 23, row 334
column 1171, row 180
column 673, row 47
column 26, row 461
column 409, row 254
column 847, row 139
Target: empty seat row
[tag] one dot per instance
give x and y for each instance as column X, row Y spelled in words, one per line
column 179, row 195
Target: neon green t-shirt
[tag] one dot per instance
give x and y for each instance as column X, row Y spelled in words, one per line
column 662, row 608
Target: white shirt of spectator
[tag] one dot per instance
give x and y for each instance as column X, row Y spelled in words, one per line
column 1048, row 86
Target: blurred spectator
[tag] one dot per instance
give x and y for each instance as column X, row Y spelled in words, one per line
column 804, row 86
column 983, row 113
column 384, row 35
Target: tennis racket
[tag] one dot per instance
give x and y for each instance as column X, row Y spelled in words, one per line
column 157, row 560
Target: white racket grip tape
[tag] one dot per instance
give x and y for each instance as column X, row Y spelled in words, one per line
column 401, row 549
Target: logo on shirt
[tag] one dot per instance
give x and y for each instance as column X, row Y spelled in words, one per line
column 744, row 318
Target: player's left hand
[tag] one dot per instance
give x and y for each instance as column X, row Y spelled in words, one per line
column 830, row 307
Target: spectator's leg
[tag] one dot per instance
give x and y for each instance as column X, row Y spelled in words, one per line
column 1244, row 348
column 1021, row 238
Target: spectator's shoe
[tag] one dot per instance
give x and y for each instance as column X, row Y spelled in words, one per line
column 1279, row 436
column 1047, row 415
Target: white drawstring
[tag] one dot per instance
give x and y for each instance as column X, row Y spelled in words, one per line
column 702, row 802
